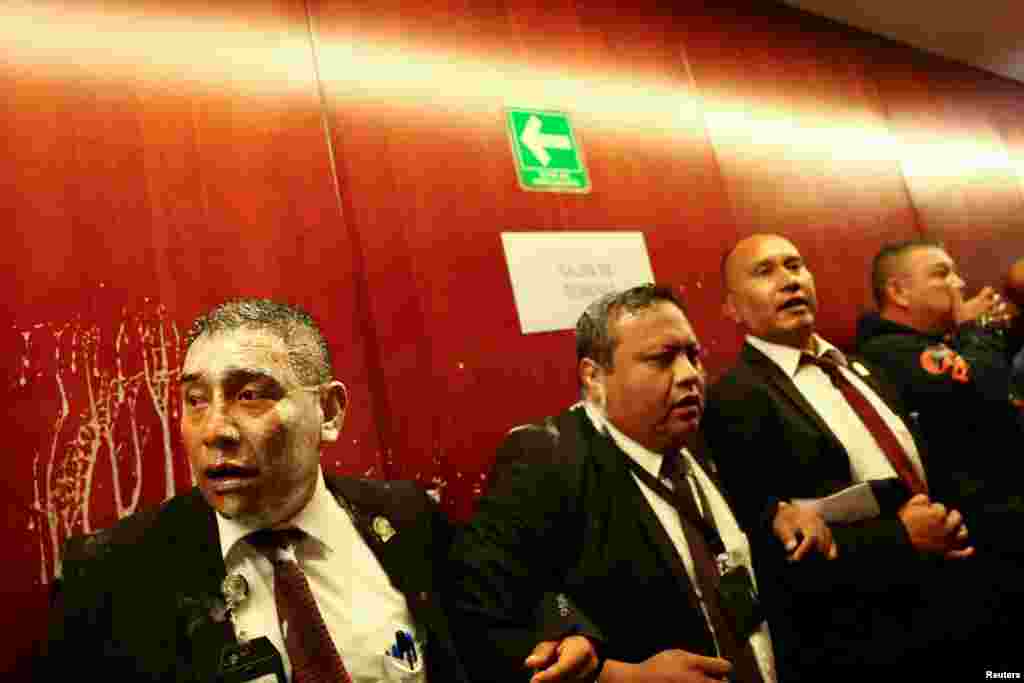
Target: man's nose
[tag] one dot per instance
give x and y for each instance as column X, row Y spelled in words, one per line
column 685, row 370
column 790, row 280
column 219, row 429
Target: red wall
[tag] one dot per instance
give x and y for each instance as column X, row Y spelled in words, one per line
column 352, row 158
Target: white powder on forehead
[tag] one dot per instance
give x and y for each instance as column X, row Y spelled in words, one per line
column 302, row 351
column 288, row 411
column 222, row 349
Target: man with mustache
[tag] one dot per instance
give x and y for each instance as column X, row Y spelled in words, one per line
column 795, row 419
column 342, row 577
column 609, row 503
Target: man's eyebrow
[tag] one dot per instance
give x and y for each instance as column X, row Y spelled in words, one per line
column 234, row 374
column 239, row 373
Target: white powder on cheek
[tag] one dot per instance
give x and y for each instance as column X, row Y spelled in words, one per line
column 296, row 428
column 287, row 411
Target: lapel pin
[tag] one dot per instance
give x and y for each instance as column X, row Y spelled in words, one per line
column 235, row 590
column 382, row 527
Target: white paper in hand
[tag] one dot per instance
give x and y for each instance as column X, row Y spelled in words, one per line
column 849, row 505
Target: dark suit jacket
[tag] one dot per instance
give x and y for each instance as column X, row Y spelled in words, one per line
column 869, row 607
column 135, row 601
column 565, row 513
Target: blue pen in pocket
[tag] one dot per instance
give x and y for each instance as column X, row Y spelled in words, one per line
column 404, row 649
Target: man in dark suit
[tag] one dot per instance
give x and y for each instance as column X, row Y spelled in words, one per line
column 341, row 577
column 782, row 429
column 580, row 501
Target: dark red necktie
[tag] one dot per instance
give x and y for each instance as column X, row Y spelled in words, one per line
column 312, row 653
column 740, row 654
column 880, row 431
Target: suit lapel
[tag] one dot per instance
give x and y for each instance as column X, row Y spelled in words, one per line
column 705, row 458
column 402, row 545
column 628, row 489
column 199, row 580
column 774, row 377
column 895, row 403
column 884, row 391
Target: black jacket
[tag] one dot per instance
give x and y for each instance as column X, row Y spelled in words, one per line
column 958, row 390
column 137, row 601
column 565, row 514
column 860, row 614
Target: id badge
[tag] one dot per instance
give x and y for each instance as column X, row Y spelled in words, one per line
column 255, row 661
column 739, row 601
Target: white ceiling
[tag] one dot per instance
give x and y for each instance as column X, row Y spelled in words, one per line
column 988, row 34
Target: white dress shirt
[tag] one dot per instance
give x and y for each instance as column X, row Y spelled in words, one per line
column 361, row 608
column 736, row 543
column 867, row 459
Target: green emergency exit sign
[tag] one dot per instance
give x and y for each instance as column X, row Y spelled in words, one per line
column 548, row 156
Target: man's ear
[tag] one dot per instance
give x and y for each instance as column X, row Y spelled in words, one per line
column 729, row 309
column 592, row 379
column 897, row 292
column 333, row 403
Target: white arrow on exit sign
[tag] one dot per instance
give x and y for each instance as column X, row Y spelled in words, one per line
column 539, row 143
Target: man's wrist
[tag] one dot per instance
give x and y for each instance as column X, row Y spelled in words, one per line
column 771, row 512
column 614, row 671
column 598, row 646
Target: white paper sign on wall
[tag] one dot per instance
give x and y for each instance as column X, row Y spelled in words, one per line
column 555, row 275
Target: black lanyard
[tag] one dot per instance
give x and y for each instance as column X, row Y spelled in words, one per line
column 709, row 532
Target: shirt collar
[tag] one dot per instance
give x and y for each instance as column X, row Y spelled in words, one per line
column 643, row 456
column 595, row 414
column 319, row 519
column 786, row 357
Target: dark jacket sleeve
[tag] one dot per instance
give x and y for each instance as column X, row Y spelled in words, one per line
column 760, row 466
column 928, row 384
column 959, row 396
column 80, row 637
column 509, row 561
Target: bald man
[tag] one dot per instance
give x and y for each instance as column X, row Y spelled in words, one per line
column 782, row 430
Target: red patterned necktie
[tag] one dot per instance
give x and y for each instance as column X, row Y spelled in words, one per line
column 880, row 431
column 310, row 649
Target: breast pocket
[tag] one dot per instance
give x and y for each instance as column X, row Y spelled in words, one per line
column 400, row 672
column 403, row 659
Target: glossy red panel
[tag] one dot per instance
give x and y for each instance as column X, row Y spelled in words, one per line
column 801, row 139
column 429, row 184
column 155, row 164
column 353, row 158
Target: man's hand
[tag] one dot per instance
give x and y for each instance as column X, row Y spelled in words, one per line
column 669, row 666
column 986, row 303
column 933, row 529
column 956, row 530
column 571, row 659
column 802, row 530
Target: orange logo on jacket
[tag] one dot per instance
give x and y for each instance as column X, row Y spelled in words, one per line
column 941, row 360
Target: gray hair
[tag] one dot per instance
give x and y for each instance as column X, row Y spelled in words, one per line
column 595, row 338
column 308, row 354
